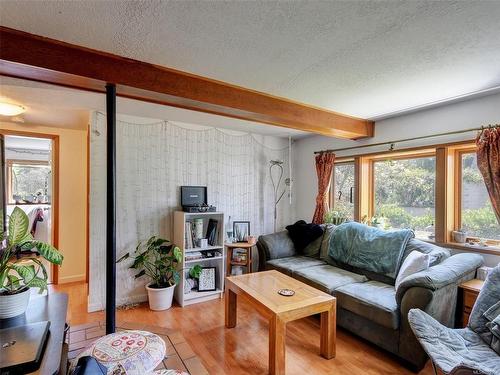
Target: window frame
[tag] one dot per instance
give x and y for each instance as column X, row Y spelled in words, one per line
column 10, row 163
column 408, row 156
column 448, row 187
column 331, row 198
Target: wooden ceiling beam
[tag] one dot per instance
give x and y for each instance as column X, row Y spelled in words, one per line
column 28, row 56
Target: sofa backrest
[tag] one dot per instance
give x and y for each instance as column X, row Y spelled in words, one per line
column 437, row 254
column 276, row 245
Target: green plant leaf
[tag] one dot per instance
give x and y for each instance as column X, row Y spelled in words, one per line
column 141, row 273
column 18, row 226
column 14, row 281
column 49, row 252
column 27, row 272
column 126, row 256
column 38, row 282
column 177, row 254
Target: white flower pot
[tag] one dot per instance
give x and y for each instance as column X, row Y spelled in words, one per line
column 14, row 304
column 160, row 298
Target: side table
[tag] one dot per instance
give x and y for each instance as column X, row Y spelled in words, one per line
column 467, row 295
column 229, row 256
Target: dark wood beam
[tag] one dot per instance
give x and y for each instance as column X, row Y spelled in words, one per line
column 33, row 57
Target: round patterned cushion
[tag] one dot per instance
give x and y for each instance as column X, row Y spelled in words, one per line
column 170, row 372
column 128, row 352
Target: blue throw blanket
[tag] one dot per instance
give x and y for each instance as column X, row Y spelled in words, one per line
column 369, row 248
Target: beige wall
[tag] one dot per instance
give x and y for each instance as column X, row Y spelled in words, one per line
column 72, row 197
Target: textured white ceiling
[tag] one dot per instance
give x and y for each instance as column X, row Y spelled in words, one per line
column 363, row 58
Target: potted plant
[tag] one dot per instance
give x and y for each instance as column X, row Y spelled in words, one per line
column 20, row 269
column 158, row 259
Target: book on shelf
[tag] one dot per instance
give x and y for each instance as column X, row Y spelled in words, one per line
column 240, row 255
column 193, row 256
column 212, row 230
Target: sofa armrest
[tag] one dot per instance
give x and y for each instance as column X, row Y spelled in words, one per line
column 274, row 246
column 450, row 271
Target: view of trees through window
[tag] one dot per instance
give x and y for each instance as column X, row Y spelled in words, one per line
column 343, row 193
column 29, row 181
column 478, row 218
column 405, row 194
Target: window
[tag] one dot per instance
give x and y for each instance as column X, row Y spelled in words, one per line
column 477, row 218
column 29, row 181
column 404, row 194
column 342, row 193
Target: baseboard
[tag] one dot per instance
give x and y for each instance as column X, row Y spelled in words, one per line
column 93, row 307
column 71, row 279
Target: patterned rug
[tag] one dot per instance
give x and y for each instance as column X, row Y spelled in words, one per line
column 179, row 354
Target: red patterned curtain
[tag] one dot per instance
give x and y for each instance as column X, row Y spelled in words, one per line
column 488, row 162
column 324, row 169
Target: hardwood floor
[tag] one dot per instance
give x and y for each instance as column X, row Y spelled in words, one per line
column 244, row 349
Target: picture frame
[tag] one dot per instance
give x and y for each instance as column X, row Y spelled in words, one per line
column 241, row 230
column 206, row 281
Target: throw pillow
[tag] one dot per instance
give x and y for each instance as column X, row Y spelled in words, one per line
column 302, row 234
column 414, row 262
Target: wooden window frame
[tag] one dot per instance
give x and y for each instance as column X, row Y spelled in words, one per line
column 331, row 198
column 10, row 163
column 448, row 183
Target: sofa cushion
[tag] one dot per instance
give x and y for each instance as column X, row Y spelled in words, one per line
column 289, row 265
column 277, row 245
column 373, row 300
column 327, row 278
column 436, row 253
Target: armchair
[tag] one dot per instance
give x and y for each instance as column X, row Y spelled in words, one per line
column 461, row 350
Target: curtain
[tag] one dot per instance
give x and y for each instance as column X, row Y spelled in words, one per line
column 324, row 169
column 488, row 162
column 153, row 161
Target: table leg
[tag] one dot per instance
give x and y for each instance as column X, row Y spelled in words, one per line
column 231, row 299
column 229, row 257
column 328, row 333
column 277, row 334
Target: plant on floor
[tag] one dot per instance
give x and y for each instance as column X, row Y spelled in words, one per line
column 158, row 259
column 20, row 269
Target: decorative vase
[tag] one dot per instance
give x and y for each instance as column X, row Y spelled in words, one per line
column 14, row 304
column 160, row 298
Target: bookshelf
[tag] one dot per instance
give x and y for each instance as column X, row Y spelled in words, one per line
column 179, row 238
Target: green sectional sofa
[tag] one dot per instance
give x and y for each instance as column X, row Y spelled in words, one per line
column 368, row 303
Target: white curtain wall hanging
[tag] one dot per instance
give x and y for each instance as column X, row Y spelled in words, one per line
column 153, row 161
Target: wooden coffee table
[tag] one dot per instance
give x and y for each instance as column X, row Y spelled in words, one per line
column 261, row 289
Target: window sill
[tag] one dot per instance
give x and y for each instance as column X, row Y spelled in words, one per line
column 492, row 250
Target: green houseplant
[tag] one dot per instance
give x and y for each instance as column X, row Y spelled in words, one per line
column 20, row 268
column 157, row 259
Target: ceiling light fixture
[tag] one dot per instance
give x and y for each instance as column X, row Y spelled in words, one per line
column 9, row 109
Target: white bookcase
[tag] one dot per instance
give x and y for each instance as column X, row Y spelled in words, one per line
column 180, row 219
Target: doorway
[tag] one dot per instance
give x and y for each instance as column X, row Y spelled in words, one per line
column 30, row 181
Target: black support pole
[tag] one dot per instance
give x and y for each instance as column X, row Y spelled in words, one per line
column 111, row 209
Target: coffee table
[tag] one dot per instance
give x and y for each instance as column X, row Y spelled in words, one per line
column 261, row 289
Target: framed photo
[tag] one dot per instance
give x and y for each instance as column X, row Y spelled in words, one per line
column 206, row 281
column 241, row 230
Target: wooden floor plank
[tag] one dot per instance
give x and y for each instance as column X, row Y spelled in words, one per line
column 244, row 349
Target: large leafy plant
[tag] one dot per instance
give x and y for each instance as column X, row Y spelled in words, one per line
column 158, row 259
column 20, row 268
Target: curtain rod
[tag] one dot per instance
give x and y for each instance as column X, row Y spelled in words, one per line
column 410, row 139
